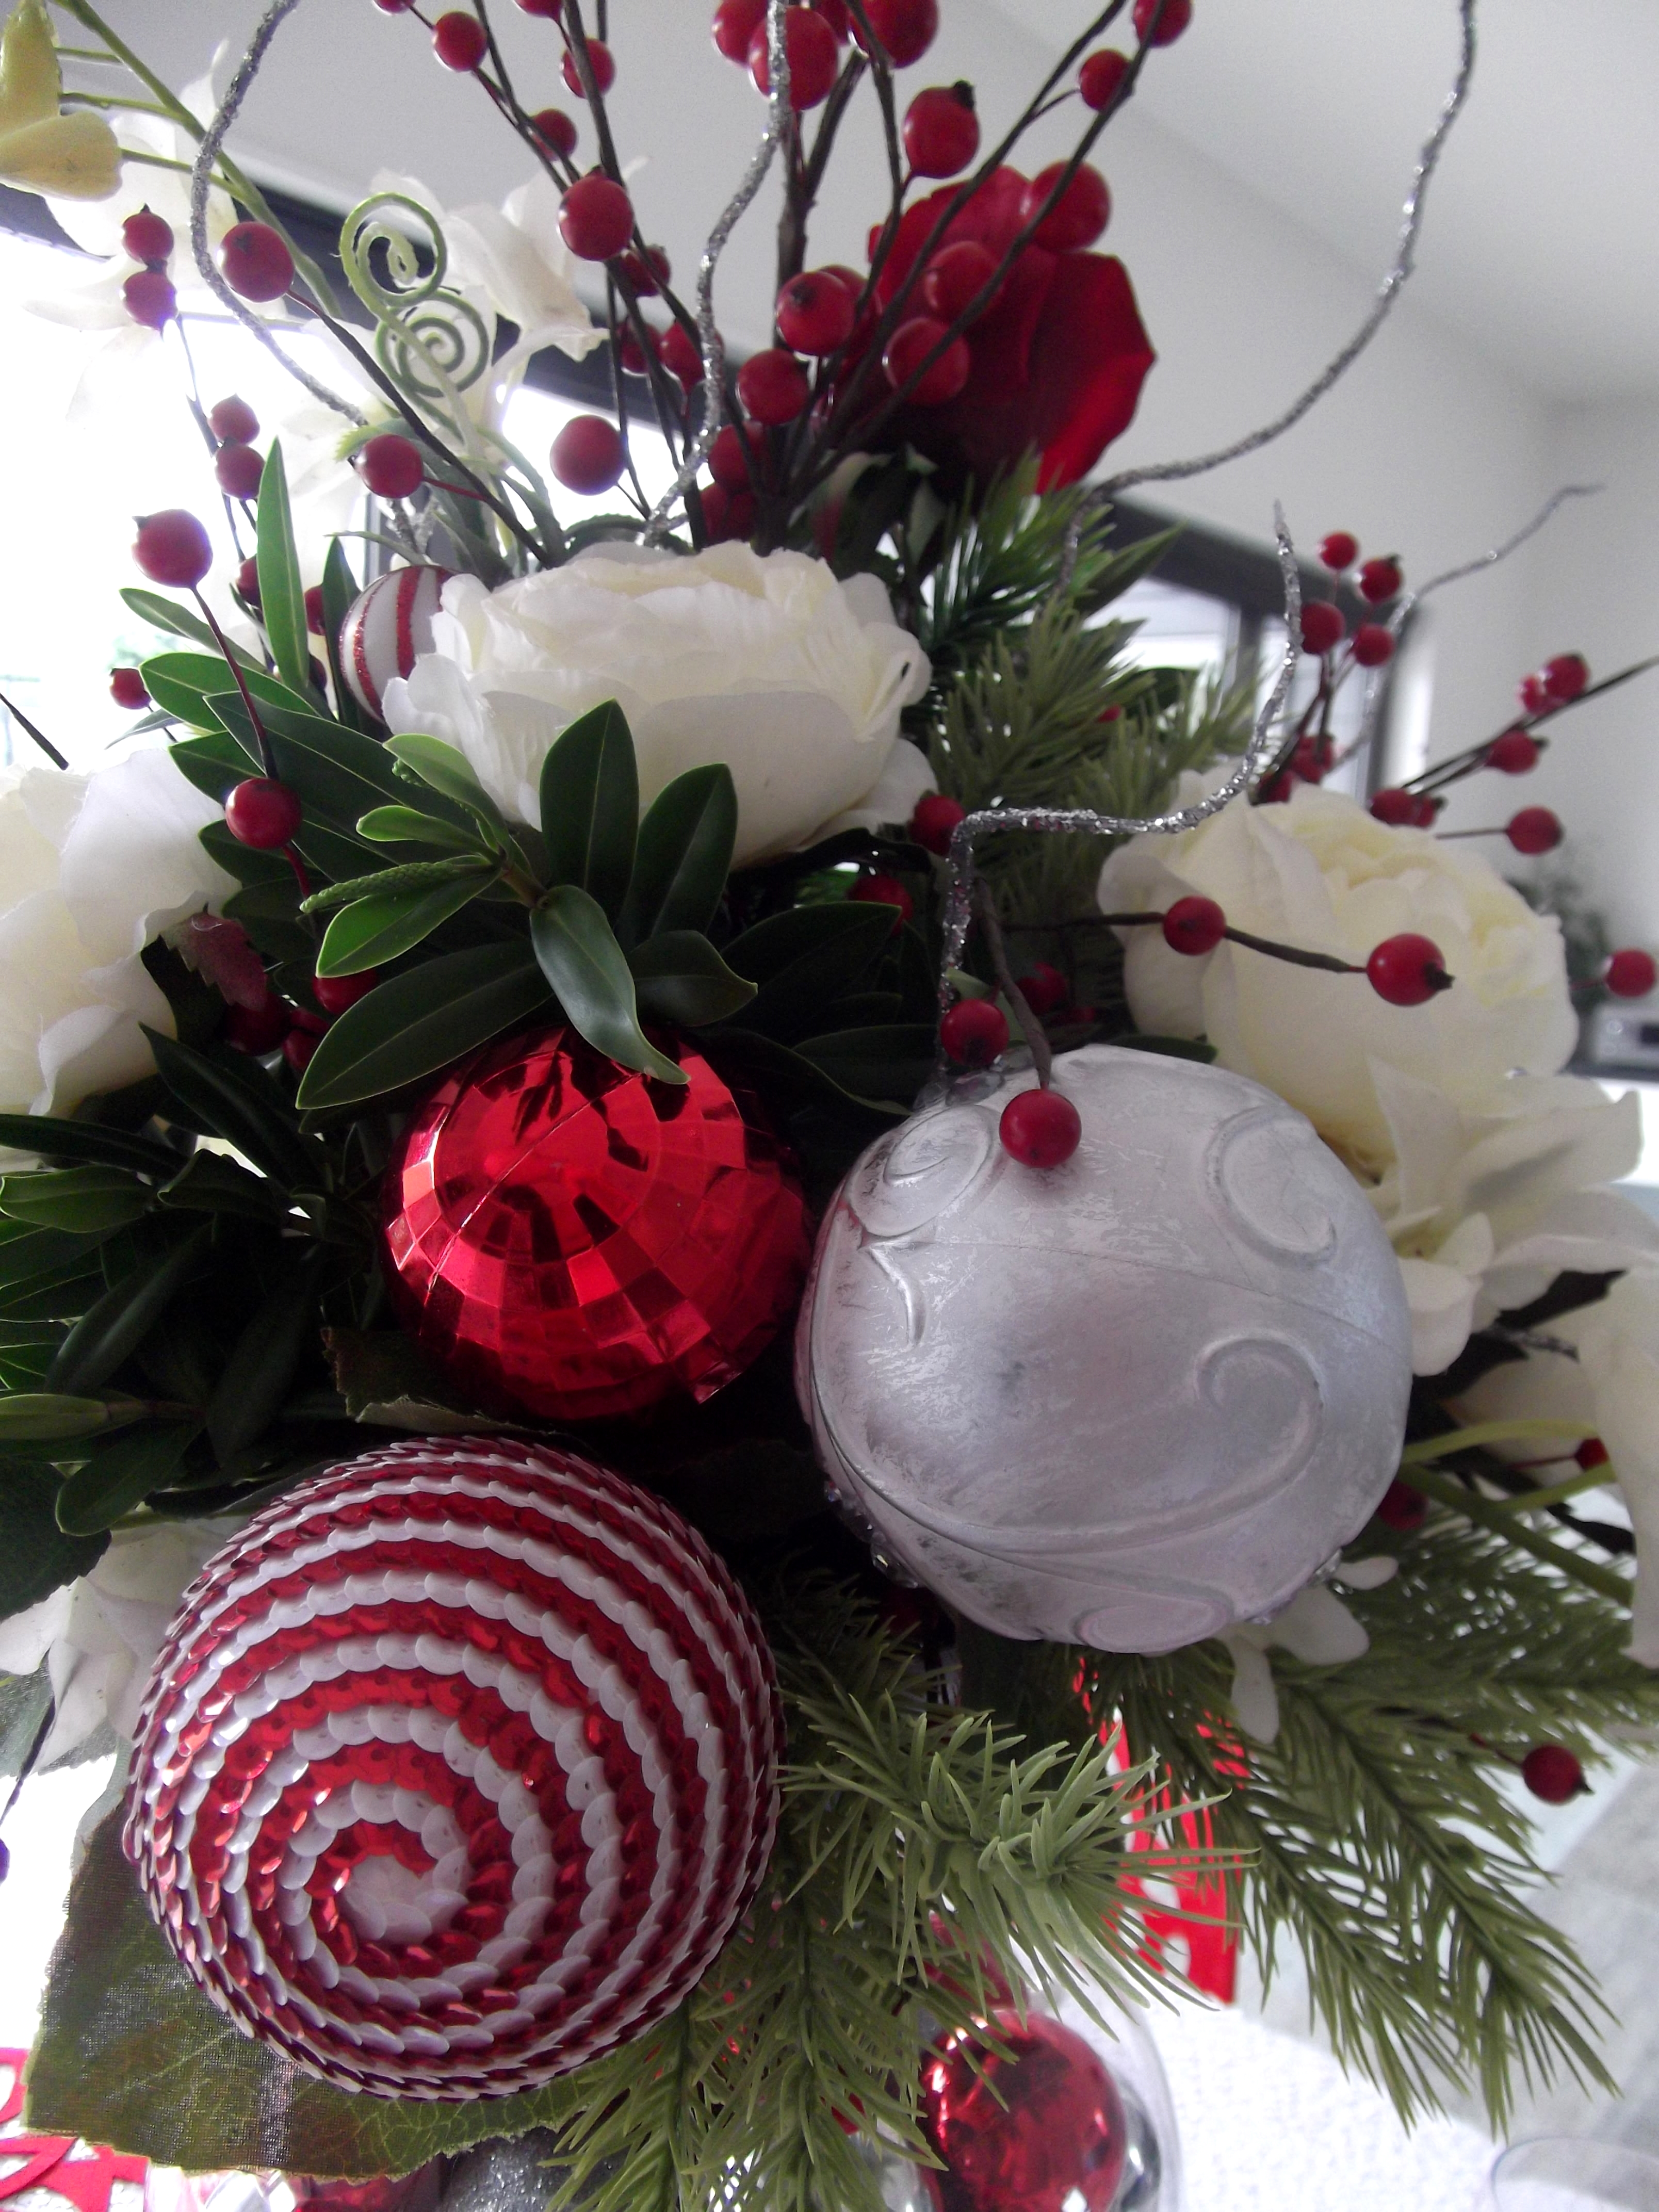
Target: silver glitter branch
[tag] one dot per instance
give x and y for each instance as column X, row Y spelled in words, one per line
column 1257, row 756
column 713, row 346
column 201, row 184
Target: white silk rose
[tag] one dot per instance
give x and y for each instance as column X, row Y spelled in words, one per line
column 92, row 867
column 769, row 663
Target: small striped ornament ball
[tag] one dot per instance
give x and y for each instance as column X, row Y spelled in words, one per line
column 457, row 1768
column 386, row 629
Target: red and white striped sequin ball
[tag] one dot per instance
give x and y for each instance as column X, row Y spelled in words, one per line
column 457, row 1768
column 387, row 627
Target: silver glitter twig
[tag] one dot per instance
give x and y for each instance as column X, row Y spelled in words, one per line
column 1258, row 754
column 201, row 184
column 713, row 346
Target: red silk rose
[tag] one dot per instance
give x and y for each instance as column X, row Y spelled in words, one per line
column 1059, row 356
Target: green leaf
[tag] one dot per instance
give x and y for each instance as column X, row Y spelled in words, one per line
column 405, row 876
column 270, row 912
column 581, row 959
column 131, row 2053
column 590, row 799
column 680, row 977
column 185, row 685
column 181, row 622
column 118, row 1323
column 447, row 770
column 376, row 930
column 406, row 825
column 804, row 958
column 416, row 1024
column 215, row 762
column 683, row 856
column 36, row 1557
column 261, row 1367
column 36, row 1416
column 240, row 1102
column 209, row 1183
column 281, row 593
column 887, row 1064
column 122, row 1473
column 239, row 861
column 788, row 1081
column 339, row 591
column 85, row 1141
column 81, row 1200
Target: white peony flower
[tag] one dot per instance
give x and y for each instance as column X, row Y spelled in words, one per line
column 1322, row 874
column 767, row 663
column 92, row 867
column 99, row 1637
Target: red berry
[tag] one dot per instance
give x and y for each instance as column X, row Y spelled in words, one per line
column 1323, row 626
column 247, row 582
column 233, row 421
column 150, row 298
column 255, row 262
column 239, row 470
column 906, row 28
column 394, row 6
column 1339, row 550
column 555, row 129
column 391, row 465
column 459, row 40
column 603, row 63
column 588, row 455
column 1402, row 1508
column 147, row 236
column 126, row 687
column 773, row 386
column 734, row 453
column 597, row 219
column 1428, row 811
column 1591, row 1453
column 973, row 1033
column 1407, row 970
column 835, row 14
column 1396, row 807
column 1100, row 76
column 941, row 130
column 263, row 813
column 910, row 345
column 934, row 824
column 954, row 279
column 726, row 514
column 1041, row 1128
column 1535, row 695
column 1044, row 989
column 172, row 548
column 813, row 58
column 1535, row 830
column 1276, row 791
column 257, row 1030
column 299, row 1049
column 316, row 620
column 680, row 354
column 1566, row 677
column 334, row 993
column 1162, row 25
column 1194, row 925
column 1380, row 579
column 631, row 353
column 735, row 25
column 1078, row 217
column 552, row 9
column 647, row 272
column 1631, row 973
column 1311, row 759
column 815, row 313
column 1514, row 753
column 1373, row 645
column 884, row 890
column 1552, row 1773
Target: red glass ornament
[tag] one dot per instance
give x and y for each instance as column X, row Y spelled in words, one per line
column 563, row 1235
column 456, row 1768
column 1041, row 2130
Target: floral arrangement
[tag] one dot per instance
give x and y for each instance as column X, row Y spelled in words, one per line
column 515, row 941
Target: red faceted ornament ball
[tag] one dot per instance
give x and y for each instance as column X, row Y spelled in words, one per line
column 565, row 1237
column 456, row 1768
column 1040, row 2129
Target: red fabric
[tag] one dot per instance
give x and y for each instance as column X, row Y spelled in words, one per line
column 85, row 2180
column 1199, row 1917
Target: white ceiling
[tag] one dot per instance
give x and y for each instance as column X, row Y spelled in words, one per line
column 1542, row 238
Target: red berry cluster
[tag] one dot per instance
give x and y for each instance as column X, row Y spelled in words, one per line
column 236, row 465
column 149, row 292
column 814, row 33
column 1556, row 685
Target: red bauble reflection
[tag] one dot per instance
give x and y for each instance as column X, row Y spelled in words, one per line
column 566, row 1237
column 1057, row 2141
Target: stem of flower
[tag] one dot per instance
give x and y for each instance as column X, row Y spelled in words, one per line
column 1042, row 1058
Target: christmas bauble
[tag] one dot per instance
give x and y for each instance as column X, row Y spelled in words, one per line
column 565, row 1235
column 455, row 1767
column 1041, row 2129
column 386, row 628
column 1125, row 1401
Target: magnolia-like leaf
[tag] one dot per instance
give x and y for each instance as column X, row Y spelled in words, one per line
column 261, row 1368
column 590, row 801
column 36, row 1557
column 584, row 963
column 406, row 825
column 415, row 1024
column 447, row 769
column 235, row 1098
column 167, row 614
column 804, row 957
column 35, row 1415
column 376, row 930
column 680, row 977
column 683, row 856
column 81, row 1199
column 121, row 1473
column 120, row 1321
column 85, row 1141
column 339, row 591
column 281, row 593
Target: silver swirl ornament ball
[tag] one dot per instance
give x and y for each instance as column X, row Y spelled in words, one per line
column 1124, row 1402
column 456, row 1768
